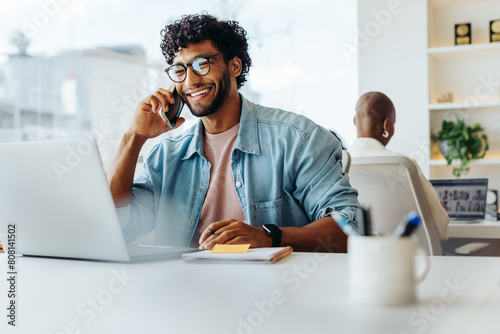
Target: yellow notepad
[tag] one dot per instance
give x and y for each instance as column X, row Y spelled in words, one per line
column 221, row 248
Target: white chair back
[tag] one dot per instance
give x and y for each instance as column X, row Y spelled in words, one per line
column 390, row 185
column 346, row 161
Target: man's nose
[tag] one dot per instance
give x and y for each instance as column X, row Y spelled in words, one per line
column 191, row 77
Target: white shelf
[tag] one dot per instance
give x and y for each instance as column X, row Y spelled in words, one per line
column 463, row 106
column 442, row 162
column 447, row 3
column 463, row 50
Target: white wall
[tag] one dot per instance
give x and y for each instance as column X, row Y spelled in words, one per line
column 393, row 60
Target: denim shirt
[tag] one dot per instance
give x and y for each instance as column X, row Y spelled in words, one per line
column 287, row 171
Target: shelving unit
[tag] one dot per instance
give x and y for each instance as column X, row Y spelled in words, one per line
column 470, row 72
column 464, row 106
column 413, row 60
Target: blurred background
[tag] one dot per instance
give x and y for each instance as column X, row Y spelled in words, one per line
column 80, row 67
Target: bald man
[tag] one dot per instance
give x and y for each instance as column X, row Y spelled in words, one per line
column 374, row 120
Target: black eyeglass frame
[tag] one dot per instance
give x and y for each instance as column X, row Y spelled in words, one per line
column 190, row 65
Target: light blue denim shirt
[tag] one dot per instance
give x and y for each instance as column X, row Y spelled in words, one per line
column 287, row 171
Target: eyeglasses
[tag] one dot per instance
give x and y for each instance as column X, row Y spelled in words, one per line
column 200, row 65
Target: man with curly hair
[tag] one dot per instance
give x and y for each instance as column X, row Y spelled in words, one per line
column 244, row 174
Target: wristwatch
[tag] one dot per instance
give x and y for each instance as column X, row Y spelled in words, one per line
column 274, row 232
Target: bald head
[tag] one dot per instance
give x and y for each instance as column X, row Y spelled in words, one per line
column 375, row 114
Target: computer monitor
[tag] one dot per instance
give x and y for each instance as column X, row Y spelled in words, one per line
column 463, row 199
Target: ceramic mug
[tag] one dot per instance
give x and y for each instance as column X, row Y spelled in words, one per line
column 382, row 270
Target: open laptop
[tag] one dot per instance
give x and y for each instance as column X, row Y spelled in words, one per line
column 463, row 199
column 57, row 195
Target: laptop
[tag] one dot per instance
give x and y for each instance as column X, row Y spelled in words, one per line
column 463, row 199
column 55, row 196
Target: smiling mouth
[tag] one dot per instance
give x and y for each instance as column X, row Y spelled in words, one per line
column 200, row 92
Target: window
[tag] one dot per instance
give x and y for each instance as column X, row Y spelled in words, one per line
column 79, row 68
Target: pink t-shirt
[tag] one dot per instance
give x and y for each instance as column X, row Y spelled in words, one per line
column 221, row 201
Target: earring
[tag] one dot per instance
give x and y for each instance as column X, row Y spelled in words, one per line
column 385, row 134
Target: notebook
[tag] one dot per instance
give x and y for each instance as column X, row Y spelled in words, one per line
column 463, row 199
column 253, row 255
column 55, row 197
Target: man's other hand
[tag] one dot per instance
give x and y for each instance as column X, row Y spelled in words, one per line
column 231, row 231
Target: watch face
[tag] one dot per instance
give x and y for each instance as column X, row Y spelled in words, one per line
column 274, row 232
column 272, row 229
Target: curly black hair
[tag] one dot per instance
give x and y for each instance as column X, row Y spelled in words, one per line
column 227, row 36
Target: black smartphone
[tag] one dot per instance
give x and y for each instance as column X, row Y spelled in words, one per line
column 174, row 110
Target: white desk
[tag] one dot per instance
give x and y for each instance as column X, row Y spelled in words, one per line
column 309, row 290
column 486, row 229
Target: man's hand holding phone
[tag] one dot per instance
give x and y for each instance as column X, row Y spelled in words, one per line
column 146, row 123
column 171, row 115
column 149, row 119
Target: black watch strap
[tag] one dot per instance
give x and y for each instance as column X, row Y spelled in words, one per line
column 274, row 232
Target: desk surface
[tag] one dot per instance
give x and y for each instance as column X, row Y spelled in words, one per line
column 485, row 229
column 304, row 293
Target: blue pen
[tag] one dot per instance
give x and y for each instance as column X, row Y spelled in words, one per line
column 408, row 224
column 342, row 222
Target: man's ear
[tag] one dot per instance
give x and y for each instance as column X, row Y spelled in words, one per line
column 235, row 67
column 354, row 120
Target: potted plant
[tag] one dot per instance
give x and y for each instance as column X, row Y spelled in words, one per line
column 457, row 141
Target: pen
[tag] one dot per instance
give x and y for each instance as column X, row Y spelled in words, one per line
column 342, row 222
column 408, row 224
column 367, row 221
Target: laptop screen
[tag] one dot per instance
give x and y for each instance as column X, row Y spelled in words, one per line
column 463, row 199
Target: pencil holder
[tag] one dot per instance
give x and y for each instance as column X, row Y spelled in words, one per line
column 382, row 270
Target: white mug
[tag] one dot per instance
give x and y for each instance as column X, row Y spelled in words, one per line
column 382, row 270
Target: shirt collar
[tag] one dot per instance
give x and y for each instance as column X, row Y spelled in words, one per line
column 367, row 142
column 248, row 139
column 196, row 144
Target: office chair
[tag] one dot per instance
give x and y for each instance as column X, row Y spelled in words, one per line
column 390, row 185
column 346, row 161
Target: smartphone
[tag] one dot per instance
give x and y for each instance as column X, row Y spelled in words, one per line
column 174, row 110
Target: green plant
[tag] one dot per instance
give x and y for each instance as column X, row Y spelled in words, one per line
column 461, row 142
